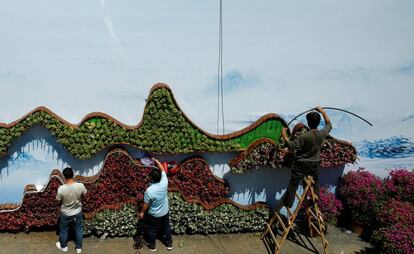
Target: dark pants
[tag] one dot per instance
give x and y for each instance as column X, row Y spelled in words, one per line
column 158, row 227
column 65, row 222
column 299, row 171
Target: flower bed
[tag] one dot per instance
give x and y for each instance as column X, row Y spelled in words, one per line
column 121, row 182
column 184, row 218
column 39, row 210
column 385, row 207
column 394, row 212
column 362, row 192
column 334, row 152
column 114, row 222
column 197, row 184
column 267, row 153
column 262, row 153
column 225, row 218
column 396, row 239
column 329, row 205
column 400, row 185
column 164, row 129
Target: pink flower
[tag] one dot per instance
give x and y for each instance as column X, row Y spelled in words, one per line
column 362, row 193
column 329, row 205
column 400, row 185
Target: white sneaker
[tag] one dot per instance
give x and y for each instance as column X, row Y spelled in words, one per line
column 78, row 251
column 60, row 247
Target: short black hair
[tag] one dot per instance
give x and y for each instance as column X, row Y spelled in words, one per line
column 68, row 173
column 313, row 119
column 156, row 175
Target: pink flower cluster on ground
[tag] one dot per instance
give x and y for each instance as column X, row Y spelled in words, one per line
column 395, row 211
column 329, row 205
column 400, row 185
column 361, row 192
column 384, row 206
column 397, row 239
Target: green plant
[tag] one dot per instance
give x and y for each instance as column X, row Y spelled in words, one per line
column 226, row 218
column 184, row 218
column 122, row 222
column 164, row 129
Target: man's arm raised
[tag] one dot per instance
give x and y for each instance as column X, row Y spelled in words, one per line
column 325, row 116
column 159, row 165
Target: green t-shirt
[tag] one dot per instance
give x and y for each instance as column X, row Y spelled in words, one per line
column 307, row 146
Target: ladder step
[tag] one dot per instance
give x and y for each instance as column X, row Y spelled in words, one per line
column 281, row 223
column 314, row 217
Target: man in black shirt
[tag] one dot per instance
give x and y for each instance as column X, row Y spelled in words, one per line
column 306, row 148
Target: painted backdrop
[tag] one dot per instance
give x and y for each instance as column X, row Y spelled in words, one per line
column 77, row 57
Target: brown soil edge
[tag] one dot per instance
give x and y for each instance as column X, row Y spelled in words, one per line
column 261, row 120
column 12, row 207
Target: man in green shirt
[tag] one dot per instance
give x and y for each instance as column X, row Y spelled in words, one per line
column 306, row 148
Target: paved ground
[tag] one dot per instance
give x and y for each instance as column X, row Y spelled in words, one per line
column 340, row 242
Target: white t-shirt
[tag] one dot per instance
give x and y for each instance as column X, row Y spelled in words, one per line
column 70, row 195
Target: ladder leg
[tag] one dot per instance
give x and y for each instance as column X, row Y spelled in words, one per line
column 272, row 220
column 311, row 214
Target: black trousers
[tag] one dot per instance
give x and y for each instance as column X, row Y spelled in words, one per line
column 158, row 227
column 299, row 171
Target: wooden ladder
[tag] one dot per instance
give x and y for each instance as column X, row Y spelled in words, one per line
column 313, row 214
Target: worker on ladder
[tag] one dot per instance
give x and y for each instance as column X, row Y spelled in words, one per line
column 306, row 148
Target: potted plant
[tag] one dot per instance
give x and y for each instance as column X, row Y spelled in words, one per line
column 362, row 194
column 400, row 185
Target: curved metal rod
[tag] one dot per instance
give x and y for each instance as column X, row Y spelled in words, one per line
column 343, row 110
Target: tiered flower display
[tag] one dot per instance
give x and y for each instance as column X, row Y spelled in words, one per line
column 164, row 129
column 119, row 187
column 267, row 153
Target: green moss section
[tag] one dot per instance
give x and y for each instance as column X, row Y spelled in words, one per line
column 184, row 218
column 271, row 129
column 83, row 142
column 164, row 130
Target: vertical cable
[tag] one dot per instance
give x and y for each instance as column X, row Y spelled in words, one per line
column 221, row 64
column 220, row 89
column 218, row 73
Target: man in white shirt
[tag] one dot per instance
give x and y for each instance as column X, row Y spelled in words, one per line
column 70, row 195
